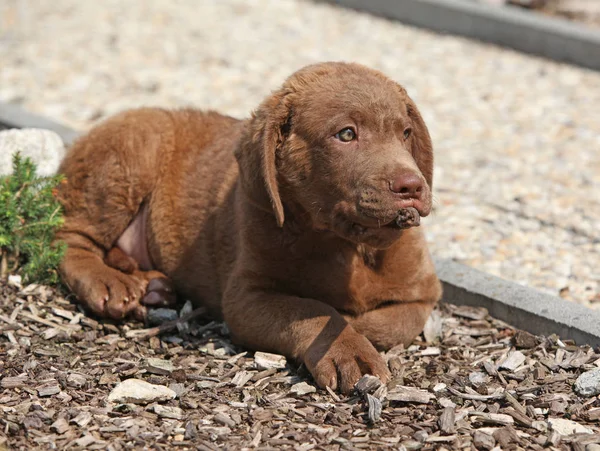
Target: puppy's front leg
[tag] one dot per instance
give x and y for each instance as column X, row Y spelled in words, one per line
column 305, row 329
column 393, row 324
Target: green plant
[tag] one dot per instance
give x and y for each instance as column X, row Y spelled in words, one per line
column 30, row 214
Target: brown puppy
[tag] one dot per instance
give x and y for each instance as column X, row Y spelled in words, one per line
column 305, row 245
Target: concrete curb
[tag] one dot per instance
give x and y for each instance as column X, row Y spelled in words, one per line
column 519, row 306
column 522, row 307
column 507, row 26
column 12, row 116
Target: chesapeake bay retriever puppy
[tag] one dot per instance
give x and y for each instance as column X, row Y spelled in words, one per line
column 296, row 226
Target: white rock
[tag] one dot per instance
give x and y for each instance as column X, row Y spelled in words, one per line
column 302, row 388
column 14, row 280
column 568, row 427
column 588, row 383
column 137, row 391
column 44, row 147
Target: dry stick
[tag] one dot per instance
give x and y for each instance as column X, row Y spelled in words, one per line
column 10, row 327
column 474, row 397
column 16, row 257
column 165, row 327
column 4, row 265
column 515, row 403
column 45, row 322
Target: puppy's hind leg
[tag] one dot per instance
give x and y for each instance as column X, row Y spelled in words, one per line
column 110, row 172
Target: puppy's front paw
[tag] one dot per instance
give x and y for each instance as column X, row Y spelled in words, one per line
column 341, row 363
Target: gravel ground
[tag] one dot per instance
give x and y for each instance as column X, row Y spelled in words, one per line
column 517, row 137
column 471, row 382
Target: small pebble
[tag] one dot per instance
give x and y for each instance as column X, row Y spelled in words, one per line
column 588, row 383
column 14, row 279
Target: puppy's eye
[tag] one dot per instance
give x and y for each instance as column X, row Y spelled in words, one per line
column 346, row 135
column 407, row 133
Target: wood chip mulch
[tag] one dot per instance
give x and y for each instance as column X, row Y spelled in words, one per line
column 473, row 383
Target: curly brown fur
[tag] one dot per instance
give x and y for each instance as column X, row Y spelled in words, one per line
column 278, row 223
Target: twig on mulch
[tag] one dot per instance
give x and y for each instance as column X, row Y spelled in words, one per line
column 165, row 327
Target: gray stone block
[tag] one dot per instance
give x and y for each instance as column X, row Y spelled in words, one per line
column 519, row 306
column 12, row 116
column 507, row 26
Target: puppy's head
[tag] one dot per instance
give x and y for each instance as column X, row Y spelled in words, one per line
column 344, row 149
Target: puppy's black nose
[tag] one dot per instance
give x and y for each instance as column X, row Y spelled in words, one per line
column 407, row 185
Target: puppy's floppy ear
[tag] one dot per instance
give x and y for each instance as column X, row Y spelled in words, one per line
column 421, row 146
column 256, row 154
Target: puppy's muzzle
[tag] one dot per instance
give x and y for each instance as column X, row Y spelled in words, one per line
column 408, row 217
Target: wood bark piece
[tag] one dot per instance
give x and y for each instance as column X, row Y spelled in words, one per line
column 409, row 394
column 265, row 360
column 446, row 420
column 374, row 408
